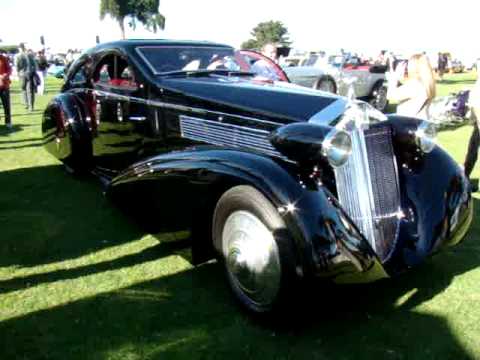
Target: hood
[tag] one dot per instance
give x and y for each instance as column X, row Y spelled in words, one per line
column 277, row 100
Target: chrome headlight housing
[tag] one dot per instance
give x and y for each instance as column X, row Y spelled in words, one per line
column 337, row 147
column 425, row 136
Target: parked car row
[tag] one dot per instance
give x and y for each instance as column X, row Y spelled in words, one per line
column 56, row 70
column 342, row 74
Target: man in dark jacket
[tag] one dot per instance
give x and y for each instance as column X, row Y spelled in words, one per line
column 27, row 74
column 5, row 72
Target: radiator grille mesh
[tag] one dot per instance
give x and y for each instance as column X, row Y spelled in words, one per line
column 386, row 191
column 368, row 187
column 217, row 133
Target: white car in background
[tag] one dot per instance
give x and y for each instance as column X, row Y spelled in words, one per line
column 342, row 74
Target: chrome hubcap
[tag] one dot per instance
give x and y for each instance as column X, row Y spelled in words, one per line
column 252, row 258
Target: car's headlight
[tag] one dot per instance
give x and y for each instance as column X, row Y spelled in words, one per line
column 337, row 147
column 425, row 136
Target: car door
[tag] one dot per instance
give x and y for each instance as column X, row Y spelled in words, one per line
column 78, row 83
column 133, row 107
column 119, row 125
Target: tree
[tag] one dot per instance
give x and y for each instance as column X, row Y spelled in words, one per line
column 267, row 32
column 145, row 11
column 250, row 44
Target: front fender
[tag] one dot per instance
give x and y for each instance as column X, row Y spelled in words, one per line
column 438, row 208
column 435, row 198
column 186, row 185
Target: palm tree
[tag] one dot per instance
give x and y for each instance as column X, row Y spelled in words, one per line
column 145, row 11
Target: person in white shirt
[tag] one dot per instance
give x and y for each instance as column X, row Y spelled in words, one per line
column 263, row 67
column 417, row 90
column 474, row 143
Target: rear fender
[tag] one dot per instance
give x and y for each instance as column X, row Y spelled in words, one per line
column 65, row 129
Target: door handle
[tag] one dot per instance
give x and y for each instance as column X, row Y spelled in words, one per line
column 137, row 118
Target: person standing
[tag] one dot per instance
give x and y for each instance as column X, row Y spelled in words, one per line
column 474, row 143
column 5, row 72
column 416, row 93
column 264, row 68
column 442, row 64
column 381, row 58
column 27, row 73
column 42, row 71
column 68, row 59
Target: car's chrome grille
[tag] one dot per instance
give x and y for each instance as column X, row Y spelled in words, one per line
column 368, row 189
column 217, row 133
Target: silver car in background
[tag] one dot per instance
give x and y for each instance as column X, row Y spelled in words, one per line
column 342, row 74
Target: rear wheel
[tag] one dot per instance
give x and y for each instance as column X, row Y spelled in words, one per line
column 255, row 247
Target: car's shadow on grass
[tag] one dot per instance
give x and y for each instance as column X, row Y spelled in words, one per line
column 191, row 314
column 48, row 216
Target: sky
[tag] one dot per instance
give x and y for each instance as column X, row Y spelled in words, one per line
column 367, row 26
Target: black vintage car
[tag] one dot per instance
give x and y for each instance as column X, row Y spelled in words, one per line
column 281, row 183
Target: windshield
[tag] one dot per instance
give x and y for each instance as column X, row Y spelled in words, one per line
column 336, row 60
column 311, row 60
column 181, row 58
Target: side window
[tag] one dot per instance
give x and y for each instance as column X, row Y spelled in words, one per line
column 114, row 72
column 104, row 74
column 79, row 77
column 104, row 71
column 81, row 73
column 127, row 78
column 353, row 61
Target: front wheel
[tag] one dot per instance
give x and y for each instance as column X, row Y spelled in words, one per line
column 378, row 97
column 255, row 247
column 326, row 84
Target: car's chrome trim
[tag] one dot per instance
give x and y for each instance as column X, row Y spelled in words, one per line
column 354, row 187
column 137, row 118
column 222, row 134
column 327, row 115
column 178, row 107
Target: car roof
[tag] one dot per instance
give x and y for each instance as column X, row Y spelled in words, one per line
column 133, row 43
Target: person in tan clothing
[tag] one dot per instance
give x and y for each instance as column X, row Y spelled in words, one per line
column 417, row 90
column 474, row 143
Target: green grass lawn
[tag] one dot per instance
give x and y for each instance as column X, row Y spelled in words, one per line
column 80, row 280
